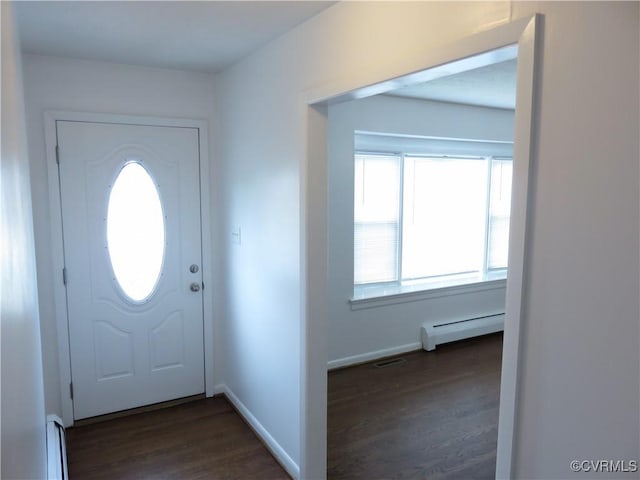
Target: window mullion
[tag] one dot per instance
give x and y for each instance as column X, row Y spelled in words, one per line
column 400, row 220
column 487, row 213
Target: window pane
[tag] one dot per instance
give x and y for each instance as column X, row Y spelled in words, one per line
column 375, row 258
column 135, row 232
column 499, row 211
column 376, row 216
column 444, row 216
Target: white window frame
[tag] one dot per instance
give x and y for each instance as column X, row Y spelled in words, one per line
column 400, row 291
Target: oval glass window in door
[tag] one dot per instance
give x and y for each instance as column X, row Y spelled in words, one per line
column 135, row 232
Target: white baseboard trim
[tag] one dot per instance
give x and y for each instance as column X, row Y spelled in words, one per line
column 219, row 388
column 375, row 355
column 274, row 447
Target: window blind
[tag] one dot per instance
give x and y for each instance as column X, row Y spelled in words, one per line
column 444, row 216
column 376, row 218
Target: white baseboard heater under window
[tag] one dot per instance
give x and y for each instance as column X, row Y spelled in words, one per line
column 56, row 449
column 436, row 333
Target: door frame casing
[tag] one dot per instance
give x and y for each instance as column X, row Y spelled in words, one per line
column 523, row 32
column 57, row 245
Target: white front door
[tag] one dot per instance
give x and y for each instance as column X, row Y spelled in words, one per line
column 130, row 199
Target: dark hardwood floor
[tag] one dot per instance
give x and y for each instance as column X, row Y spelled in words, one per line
column 204, row 439
column 434, row 416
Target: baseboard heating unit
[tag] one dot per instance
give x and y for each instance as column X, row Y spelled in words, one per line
column 56, row 449
column 436, row 333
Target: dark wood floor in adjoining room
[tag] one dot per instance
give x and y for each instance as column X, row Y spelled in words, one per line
column 435, row 416
column 204, row 439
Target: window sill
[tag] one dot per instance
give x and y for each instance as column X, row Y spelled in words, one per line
column 383, row 295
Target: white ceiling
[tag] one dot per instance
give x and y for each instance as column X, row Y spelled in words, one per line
column 493, row 85
column 209, row 36
column 203, row 36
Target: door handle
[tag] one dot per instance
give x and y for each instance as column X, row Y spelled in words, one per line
column 195, row 287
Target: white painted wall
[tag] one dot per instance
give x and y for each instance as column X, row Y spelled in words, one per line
column 357, row 335
column 262, row 137
column 578, row 398
column 261, row 198
column 23, row 414
column 579, row 383
column 53, row 83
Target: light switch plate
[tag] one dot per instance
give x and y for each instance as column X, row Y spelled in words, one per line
column 236, row 236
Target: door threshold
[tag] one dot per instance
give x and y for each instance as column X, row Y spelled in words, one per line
column 135, row 411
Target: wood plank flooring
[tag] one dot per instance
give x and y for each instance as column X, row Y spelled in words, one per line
column 434, row 416
column 205, row 439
